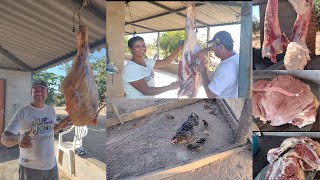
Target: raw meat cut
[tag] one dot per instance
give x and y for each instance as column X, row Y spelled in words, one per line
column 79, row 86
column 292, row 158
column 297, row 54
column 188, row 76
column 284, row 100
column 274, row 41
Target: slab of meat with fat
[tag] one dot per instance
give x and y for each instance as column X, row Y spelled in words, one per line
column 293, row 158
column 284, row 100
column 275, row 41
column 79, row 86
column 297, row 54
column 188, row 76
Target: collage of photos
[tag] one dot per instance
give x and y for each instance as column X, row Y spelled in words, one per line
column 160, row 90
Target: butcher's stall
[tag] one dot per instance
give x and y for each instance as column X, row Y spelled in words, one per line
column 286, row 100
column 145, row 144
column 272, row 140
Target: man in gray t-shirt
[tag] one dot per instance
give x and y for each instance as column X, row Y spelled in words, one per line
column 32, row 128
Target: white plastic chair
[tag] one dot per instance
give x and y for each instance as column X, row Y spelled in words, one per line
column 70, row 147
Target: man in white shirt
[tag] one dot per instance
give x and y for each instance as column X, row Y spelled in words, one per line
column 224, row 81
column 32, row 128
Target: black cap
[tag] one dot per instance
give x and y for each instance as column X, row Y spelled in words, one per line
column 39, row 82
column 222, row 37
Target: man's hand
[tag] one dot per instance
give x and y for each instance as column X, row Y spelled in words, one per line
column 65, row 122
column 202, row 65
column 26, row 140
column 203, row 53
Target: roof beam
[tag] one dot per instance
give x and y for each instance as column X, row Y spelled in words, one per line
column 172, row 11
column 227, row 3
column 14, row 59
column 69, row 55
column 92, row 9
column 141, row 26
column 214, row 25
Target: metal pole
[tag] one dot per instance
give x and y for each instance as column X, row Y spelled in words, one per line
column 245, row 54
column 158, row 46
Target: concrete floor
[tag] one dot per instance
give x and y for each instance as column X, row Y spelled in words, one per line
column 163, row 78
column 9, row 164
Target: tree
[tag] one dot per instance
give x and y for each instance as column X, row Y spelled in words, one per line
column 126, row 48
column 53, row 81
column 169, row 41
column 255, row 26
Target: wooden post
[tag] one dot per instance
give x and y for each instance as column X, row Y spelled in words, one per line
column 115, row 34
column 245, row 121
column 158, row 46
column 245, row 54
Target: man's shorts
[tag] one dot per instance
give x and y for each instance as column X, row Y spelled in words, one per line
column 35, row 174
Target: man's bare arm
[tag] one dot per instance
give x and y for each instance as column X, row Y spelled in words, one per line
column 9, row 139
column 62, row 124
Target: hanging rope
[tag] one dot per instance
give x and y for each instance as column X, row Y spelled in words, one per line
column 134, row 30
column 78, row 11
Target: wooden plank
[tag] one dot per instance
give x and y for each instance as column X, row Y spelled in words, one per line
column 228, row 114
column 315, row 89
column 150, row 110
column 190, row 166
column 245, row 54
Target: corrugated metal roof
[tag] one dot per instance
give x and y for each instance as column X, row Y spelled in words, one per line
column 153, row 16
column 38, row 34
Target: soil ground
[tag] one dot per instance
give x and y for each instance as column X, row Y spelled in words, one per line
column 143, row 145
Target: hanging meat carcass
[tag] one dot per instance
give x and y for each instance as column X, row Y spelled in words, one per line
column 188, row 76
column 297, row 54
column 79, row 86
column 274, row 41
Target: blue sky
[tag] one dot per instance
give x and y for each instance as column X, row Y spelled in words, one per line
column 255, row 12
column 58, row 71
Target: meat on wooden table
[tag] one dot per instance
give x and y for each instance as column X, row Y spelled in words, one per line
column 284, row 100
column 79, row 86
column 297, row 54
column 275, row 41
column 188, row 76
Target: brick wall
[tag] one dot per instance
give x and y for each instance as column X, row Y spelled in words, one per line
column 287, row 17
column 312, row 32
